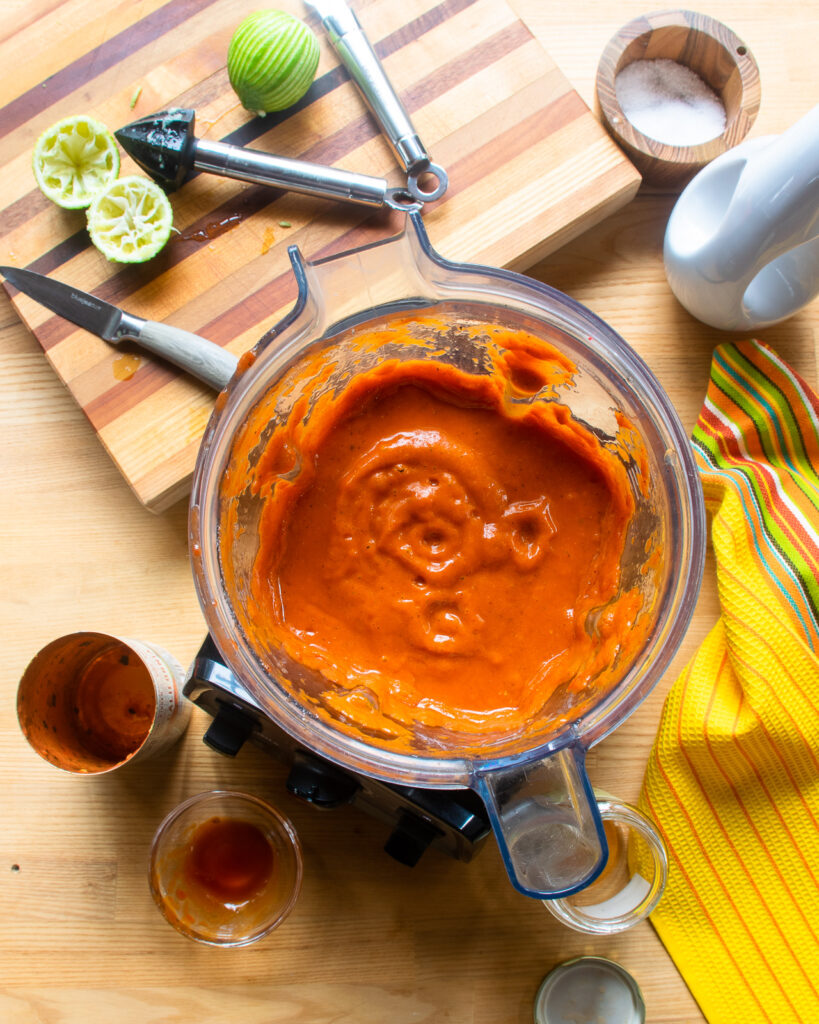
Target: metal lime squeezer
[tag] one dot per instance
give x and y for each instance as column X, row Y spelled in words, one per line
column 165, row 147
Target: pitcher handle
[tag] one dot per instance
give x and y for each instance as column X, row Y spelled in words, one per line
column 546, row 822
column 741, row 248
column 775, row 206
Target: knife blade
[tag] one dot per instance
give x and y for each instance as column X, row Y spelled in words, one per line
column 203, row 359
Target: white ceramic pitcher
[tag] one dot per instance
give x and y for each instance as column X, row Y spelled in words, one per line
column 742, row 244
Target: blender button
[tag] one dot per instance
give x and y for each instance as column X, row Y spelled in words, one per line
column 320, row 783
column 410, row 839
column 228, row 730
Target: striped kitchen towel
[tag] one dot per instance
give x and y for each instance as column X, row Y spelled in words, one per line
column 733, row 778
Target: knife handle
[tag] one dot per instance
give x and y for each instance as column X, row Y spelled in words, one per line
column 203, row 359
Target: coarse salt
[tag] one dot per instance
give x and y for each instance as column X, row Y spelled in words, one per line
column 669, row 102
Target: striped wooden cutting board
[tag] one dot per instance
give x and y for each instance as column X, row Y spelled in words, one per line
column 529, row 167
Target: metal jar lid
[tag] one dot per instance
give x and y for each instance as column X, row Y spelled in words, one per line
column 589, row 990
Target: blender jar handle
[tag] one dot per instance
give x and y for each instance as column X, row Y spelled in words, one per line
column 336, row 290
column 546, row 822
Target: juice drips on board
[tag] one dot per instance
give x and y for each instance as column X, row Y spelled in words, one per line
column 213, row 229
column 126, row 365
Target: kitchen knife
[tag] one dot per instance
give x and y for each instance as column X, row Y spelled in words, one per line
column 203, row 359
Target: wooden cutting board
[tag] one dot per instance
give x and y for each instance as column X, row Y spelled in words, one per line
column 529, row 168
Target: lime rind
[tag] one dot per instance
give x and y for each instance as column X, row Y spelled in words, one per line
column 130, row 221
column 272, row 61
column 73, row 160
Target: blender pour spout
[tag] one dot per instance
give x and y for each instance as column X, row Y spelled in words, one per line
column 546, row 823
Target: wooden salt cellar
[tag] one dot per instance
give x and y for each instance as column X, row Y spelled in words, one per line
column 708, row 48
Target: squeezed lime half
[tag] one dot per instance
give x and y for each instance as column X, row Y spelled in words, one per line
column 73, row 160
column 130, row 220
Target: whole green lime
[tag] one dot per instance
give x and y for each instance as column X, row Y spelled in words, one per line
column 271, row 61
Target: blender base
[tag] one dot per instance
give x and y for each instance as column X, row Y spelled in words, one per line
column 453, row 821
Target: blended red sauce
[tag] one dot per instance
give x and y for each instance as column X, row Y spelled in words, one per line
column 443, row 553
column 229, row 860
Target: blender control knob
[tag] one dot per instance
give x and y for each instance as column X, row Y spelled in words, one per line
column 319, row 782
column 410, row 839
column 228, row 730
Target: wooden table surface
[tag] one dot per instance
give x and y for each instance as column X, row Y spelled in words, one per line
column 369, row 941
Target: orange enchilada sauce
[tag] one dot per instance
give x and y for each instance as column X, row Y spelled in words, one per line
column 446, row 557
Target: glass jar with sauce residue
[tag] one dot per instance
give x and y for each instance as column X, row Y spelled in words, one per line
column 225, row 868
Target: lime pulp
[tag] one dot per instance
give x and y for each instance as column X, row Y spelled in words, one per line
column 73, row 160
column 130, row 220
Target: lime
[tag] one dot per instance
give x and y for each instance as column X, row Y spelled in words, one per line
column 73, row 159
column 130, row 220
column 271, row 61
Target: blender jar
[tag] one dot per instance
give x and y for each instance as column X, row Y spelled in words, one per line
column 532, row 780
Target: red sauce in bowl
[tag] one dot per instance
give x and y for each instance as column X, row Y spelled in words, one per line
column 230, row 860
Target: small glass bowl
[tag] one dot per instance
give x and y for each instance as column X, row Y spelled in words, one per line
column 220, row 920
column 632, row 882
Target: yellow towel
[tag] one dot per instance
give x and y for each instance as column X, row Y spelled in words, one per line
column 733, row 778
